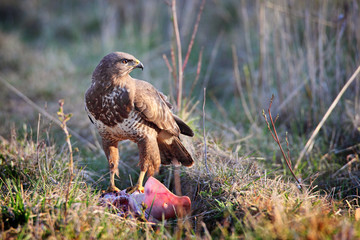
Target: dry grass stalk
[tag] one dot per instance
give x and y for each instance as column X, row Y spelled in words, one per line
column 310, row 142
column 353, row 157
column 204, row 134
column 276, row 138
column 63, row 119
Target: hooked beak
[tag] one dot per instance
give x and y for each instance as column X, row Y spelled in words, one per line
column 139, row 65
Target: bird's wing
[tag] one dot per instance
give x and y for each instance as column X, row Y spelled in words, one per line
column 184, row 128
column 154, row 108
column 164, row 98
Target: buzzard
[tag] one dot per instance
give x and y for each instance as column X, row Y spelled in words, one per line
column 122, row 107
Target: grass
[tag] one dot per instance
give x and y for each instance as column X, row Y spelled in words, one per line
column 235, row 199
column 242, row 53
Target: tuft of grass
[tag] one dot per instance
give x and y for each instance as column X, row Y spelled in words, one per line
column 35, row 193
column 237, row 198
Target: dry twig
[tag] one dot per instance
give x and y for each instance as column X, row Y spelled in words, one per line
column 198, row 70
column 171, row 70
column 310, row 142
column 63, row 119
column 177, row 68
column 179, row 53
column 205, row 147
column 353, row 157
column 194, row 34
column 276, row 139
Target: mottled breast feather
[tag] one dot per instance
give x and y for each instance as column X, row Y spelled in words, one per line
column 111, row 106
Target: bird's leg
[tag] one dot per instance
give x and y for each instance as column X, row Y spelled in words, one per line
column 139, row 185
column 112, row 154
column 112, row 187
column 149, row 156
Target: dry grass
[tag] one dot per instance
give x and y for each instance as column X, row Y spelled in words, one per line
column 235, row 199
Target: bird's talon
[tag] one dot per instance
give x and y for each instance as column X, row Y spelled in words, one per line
column 131, row 190
column 112, row 189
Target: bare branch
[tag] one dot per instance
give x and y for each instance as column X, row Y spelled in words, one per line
column 171, row 70
column 179, row 53
column 198, row 70
column 194, row 34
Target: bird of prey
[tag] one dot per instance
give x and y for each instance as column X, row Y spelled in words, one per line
column 122, row 107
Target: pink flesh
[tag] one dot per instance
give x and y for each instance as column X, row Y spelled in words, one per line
column 163, row 202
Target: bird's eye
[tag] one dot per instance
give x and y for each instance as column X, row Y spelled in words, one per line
column 124, row 61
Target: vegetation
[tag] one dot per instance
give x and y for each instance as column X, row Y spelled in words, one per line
column 219, row 62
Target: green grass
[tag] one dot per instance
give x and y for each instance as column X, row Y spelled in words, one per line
column 303, row 52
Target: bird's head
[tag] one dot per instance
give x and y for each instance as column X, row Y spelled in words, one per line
column 117, row 64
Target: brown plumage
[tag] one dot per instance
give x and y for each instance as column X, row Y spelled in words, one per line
column 123, row 108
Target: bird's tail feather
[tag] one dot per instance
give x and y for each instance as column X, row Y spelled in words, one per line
column 184, row 128
column 173, row 151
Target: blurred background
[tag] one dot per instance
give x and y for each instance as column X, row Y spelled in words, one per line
column 303, row 52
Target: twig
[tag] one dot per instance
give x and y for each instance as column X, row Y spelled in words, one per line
column 288, row 149
column 37, row 139
column 205, row 147
column 310, row 142
column 198, row 70
column 63, row 119
column 276, row 139
column 177, row 68
column 194, row 34
column 173, row 61
column 171, row 70
column 339, row 151
column 179, row 53
column 354, row 159
column 46, row 114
